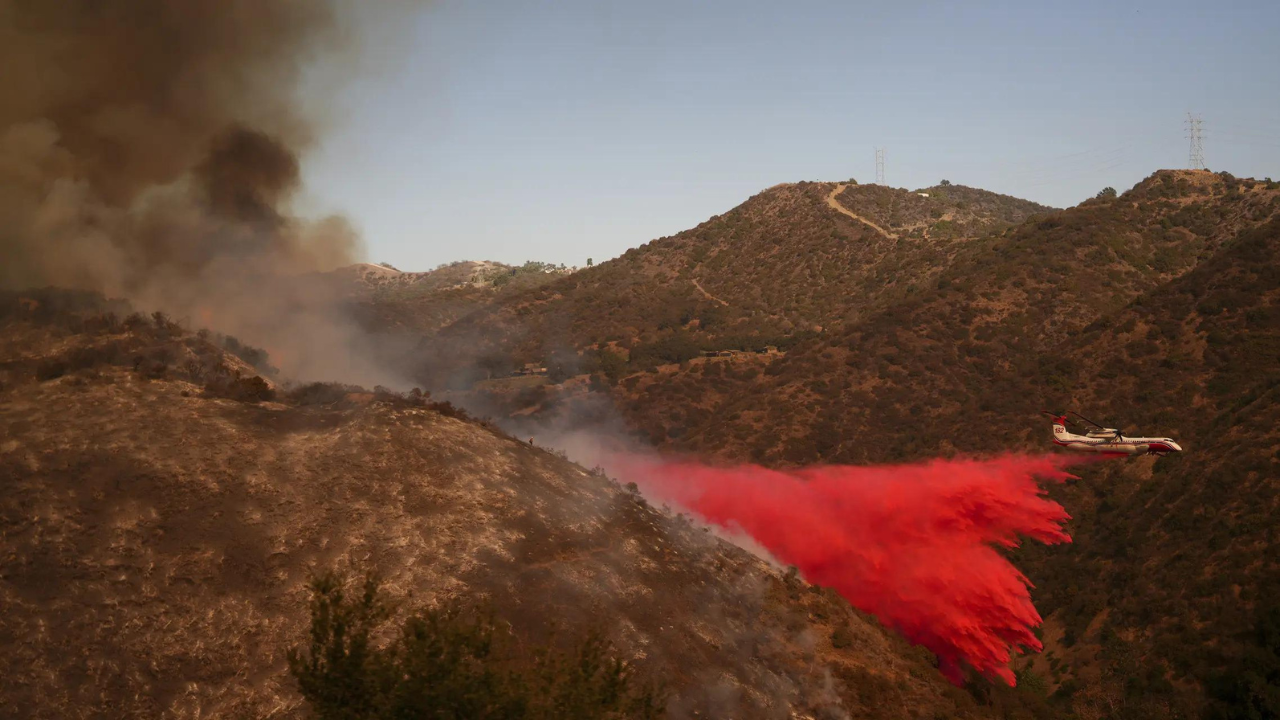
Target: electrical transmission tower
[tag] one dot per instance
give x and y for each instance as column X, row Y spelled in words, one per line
column 1196, row 159
column 880, row 166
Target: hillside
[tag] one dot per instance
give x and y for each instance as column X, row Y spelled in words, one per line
column 389, row 301
column 940, row 211
column 783, row 265
column 965, row 344
column 1184, row 551
column 972, row 345
column 165, row 507
column 388, row 282
column 1157, row 311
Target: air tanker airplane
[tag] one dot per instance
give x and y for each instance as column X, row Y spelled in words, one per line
column 1107, row 441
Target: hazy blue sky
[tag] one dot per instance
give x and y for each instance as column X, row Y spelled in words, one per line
column 565, row 130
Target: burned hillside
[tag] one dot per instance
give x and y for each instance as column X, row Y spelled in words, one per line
column 1155, row 310
column 158, row 539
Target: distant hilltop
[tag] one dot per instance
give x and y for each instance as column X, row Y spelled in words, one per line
column 383, row 277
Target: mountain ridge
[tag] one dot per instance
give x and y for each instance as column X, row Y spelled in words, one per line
column 159, row 539
column 764, row 270
column 1154, row 310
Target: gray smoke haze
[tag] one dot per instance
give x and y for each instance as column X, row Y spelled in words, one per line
column 150, row 149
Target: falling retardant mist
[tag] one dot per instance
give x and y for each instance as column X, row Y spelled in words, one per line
column 917, row 545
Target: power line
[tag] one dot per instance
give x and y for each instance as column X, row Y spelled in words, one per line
column 1253, row 136
column 1194, row 134
column 1253, row 141
column 1077, row 163
column 880, row 166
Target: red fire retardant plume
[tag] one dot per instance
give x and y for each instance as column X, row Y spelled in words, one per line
column 915, row 545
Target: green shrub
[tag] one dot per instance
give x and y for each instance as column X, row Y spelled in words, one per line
column 1250, row 688
column 454, row 662
column 255, row 357
column 251, row 389
column 841, row 637
column 234, row 387
column 51, row 370
column 321, row 393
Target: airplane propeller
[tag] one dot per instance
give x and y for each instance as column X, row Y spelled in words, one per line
column 1064, row 416
column 1087, row 420
column 1119, row 434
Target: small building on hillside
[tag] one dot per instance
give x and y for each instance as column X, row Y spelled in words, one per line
column 530, row 369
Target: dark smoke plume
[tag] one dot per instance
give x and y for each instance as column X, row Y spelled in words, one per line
column 149, row 149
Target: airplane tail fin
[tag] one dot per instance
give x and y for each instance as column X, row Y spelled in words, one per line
column 1059, row 422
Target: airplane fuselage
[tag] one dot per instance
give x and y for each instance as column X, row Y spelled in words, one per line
column 1112, row 443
